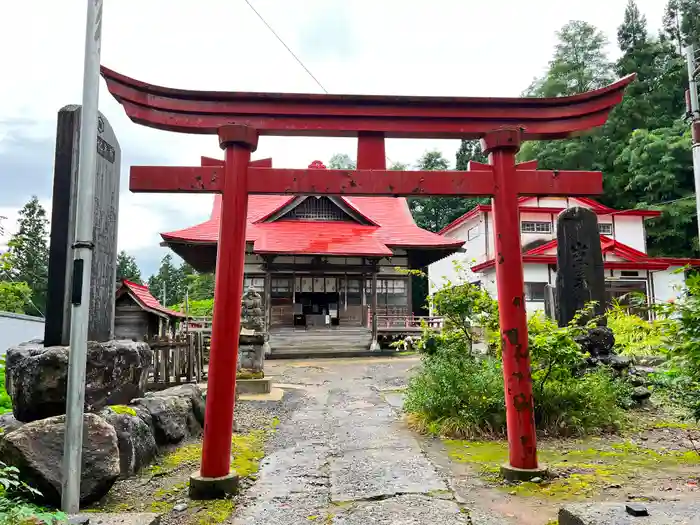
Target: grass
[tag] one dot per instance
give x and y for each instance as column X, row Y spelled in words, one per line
column 581, row 472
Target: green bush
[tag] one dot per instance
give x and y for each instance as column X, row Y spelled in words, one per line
column 15, row 509
column 460, row 395
column 5, row 401
column 635, row 336
column 682, row 339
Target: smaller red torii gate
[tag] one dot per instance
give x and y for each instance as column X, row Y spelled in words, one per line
column 240, row 118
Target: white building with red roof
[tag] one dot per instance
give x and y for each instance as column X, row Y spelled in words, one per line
column 315, row 258
column 628, row 267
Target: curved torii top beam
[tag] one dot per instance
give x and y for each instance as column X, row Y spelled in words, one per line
column 203, row 112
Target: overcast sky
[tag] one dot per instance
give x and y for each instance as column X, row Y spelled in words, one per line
column 440, row 47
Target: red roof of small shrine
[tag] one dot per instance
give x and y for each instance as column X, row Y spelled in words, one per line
column 395, row 227
column 629, row 257
column 142, row 295
column 594, row 206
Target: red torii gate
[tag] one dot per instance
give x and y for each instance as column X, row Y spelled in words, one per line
column 240, row 118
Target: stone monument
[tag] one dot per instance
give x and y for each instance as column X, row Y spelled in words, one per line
column 581, row 278
column 251, row 345
column 63, row 218
column 580, row 272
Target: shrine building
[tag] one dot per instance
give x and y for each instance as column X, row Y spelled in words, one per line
column 314, row 259
column 628, row 267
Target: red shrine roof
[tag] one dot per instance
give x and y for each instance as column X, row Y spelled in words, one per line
column 625, row 257
column 390, row 226
column 142, row 295
column 594, row 206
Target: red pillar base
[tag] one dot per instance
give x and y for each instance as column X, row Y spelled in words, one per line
column 213, row 488
column 511, row 473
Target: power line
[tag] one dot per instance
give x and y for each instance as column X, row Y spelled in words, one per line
column 308, row 71
column 286, row 46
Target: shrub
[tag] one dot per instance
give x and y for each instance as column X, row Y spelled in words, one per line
column 635, row 336
column 459, row 395
column 682, row 336
column 14, row 507
column 5, row 401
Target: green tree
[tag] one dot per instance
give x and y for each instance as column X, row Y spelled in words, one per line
column 681, row 23
column 434, row 213
column 127, row 268
column 655, row 169
column 341, row 161
column 200, row 286
column 14, row 297
column 579, row 63
column 28, row 254
column 633, row 31
column 168, row 285
column 469, row 150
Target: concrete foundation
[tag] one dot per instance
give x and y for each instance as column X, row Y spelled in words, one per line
column 518, row 474
column 213, row 488
column 253, row 386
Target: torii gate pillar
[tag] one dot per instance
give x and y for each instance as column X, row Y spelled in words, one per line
column 501, row 146
column 215, row 477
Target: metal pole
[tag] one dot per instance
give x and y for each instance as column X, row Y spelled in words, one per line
column 694, row 123
column 82, row 262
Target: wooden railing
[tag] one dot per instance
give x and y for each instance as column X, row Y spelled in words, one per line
column 413, row 322
column 176, row 360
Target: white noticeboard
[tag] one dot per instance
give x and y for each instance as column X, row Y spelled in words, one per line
column 331, row 285
column 307, row 284
column 319, row 283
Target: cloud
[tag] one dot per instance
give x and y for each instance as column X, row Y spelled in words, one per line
column 329, row 33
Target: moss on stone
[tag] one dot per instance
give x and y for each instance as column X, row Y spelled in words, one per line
column 582, row 472
column 123, row 409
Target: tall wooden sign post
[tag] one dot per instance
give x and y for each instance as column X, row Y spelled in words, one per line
column 240, row 118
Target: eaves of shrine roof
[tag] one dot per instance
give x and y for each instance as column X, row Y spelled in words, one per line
column 143, row 297
column 630, row 259
column 594, row 206
column 390, row 225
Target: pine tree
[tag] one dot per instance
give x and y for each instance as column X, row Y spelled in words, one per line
column 127, row 268
column 27, row 257
column 632, row 33
column 168, row 284
column 469, row 150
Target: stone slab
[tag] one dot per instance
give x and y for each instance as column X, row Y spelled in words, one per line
column 381, row 472
column 253, row 386
column 63, row 220
column 660, row 513
column 411, row 509
column 120, row 518
column 275, row 394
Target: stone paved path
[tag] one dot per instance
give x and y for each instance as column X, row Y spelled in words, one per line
column 343, row 457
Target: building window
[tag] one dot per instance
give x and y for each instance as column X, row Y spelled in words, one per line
column 535, row 227
column 389, row 292
column 534, row 291
column 629, row 273
column 605, row 228
column 258, row 283
column 316, row 209
column 472, row 233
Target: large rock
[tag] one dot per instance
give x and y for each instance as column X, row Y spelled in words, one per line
column 137, row 444
column 191, row 391
column 172, row 417
column 37, row 377
column 36, row 449
column 8, row 423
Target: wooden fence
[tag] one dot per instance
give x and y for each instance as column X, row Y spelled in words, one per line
column 177, row 360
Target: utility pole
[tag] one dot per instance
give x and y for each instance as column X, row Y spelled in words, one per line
column 82, row 262
column 693, row 74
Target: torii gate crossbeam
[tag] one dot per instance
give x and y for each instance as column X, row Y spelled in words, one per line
column 240, row 118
